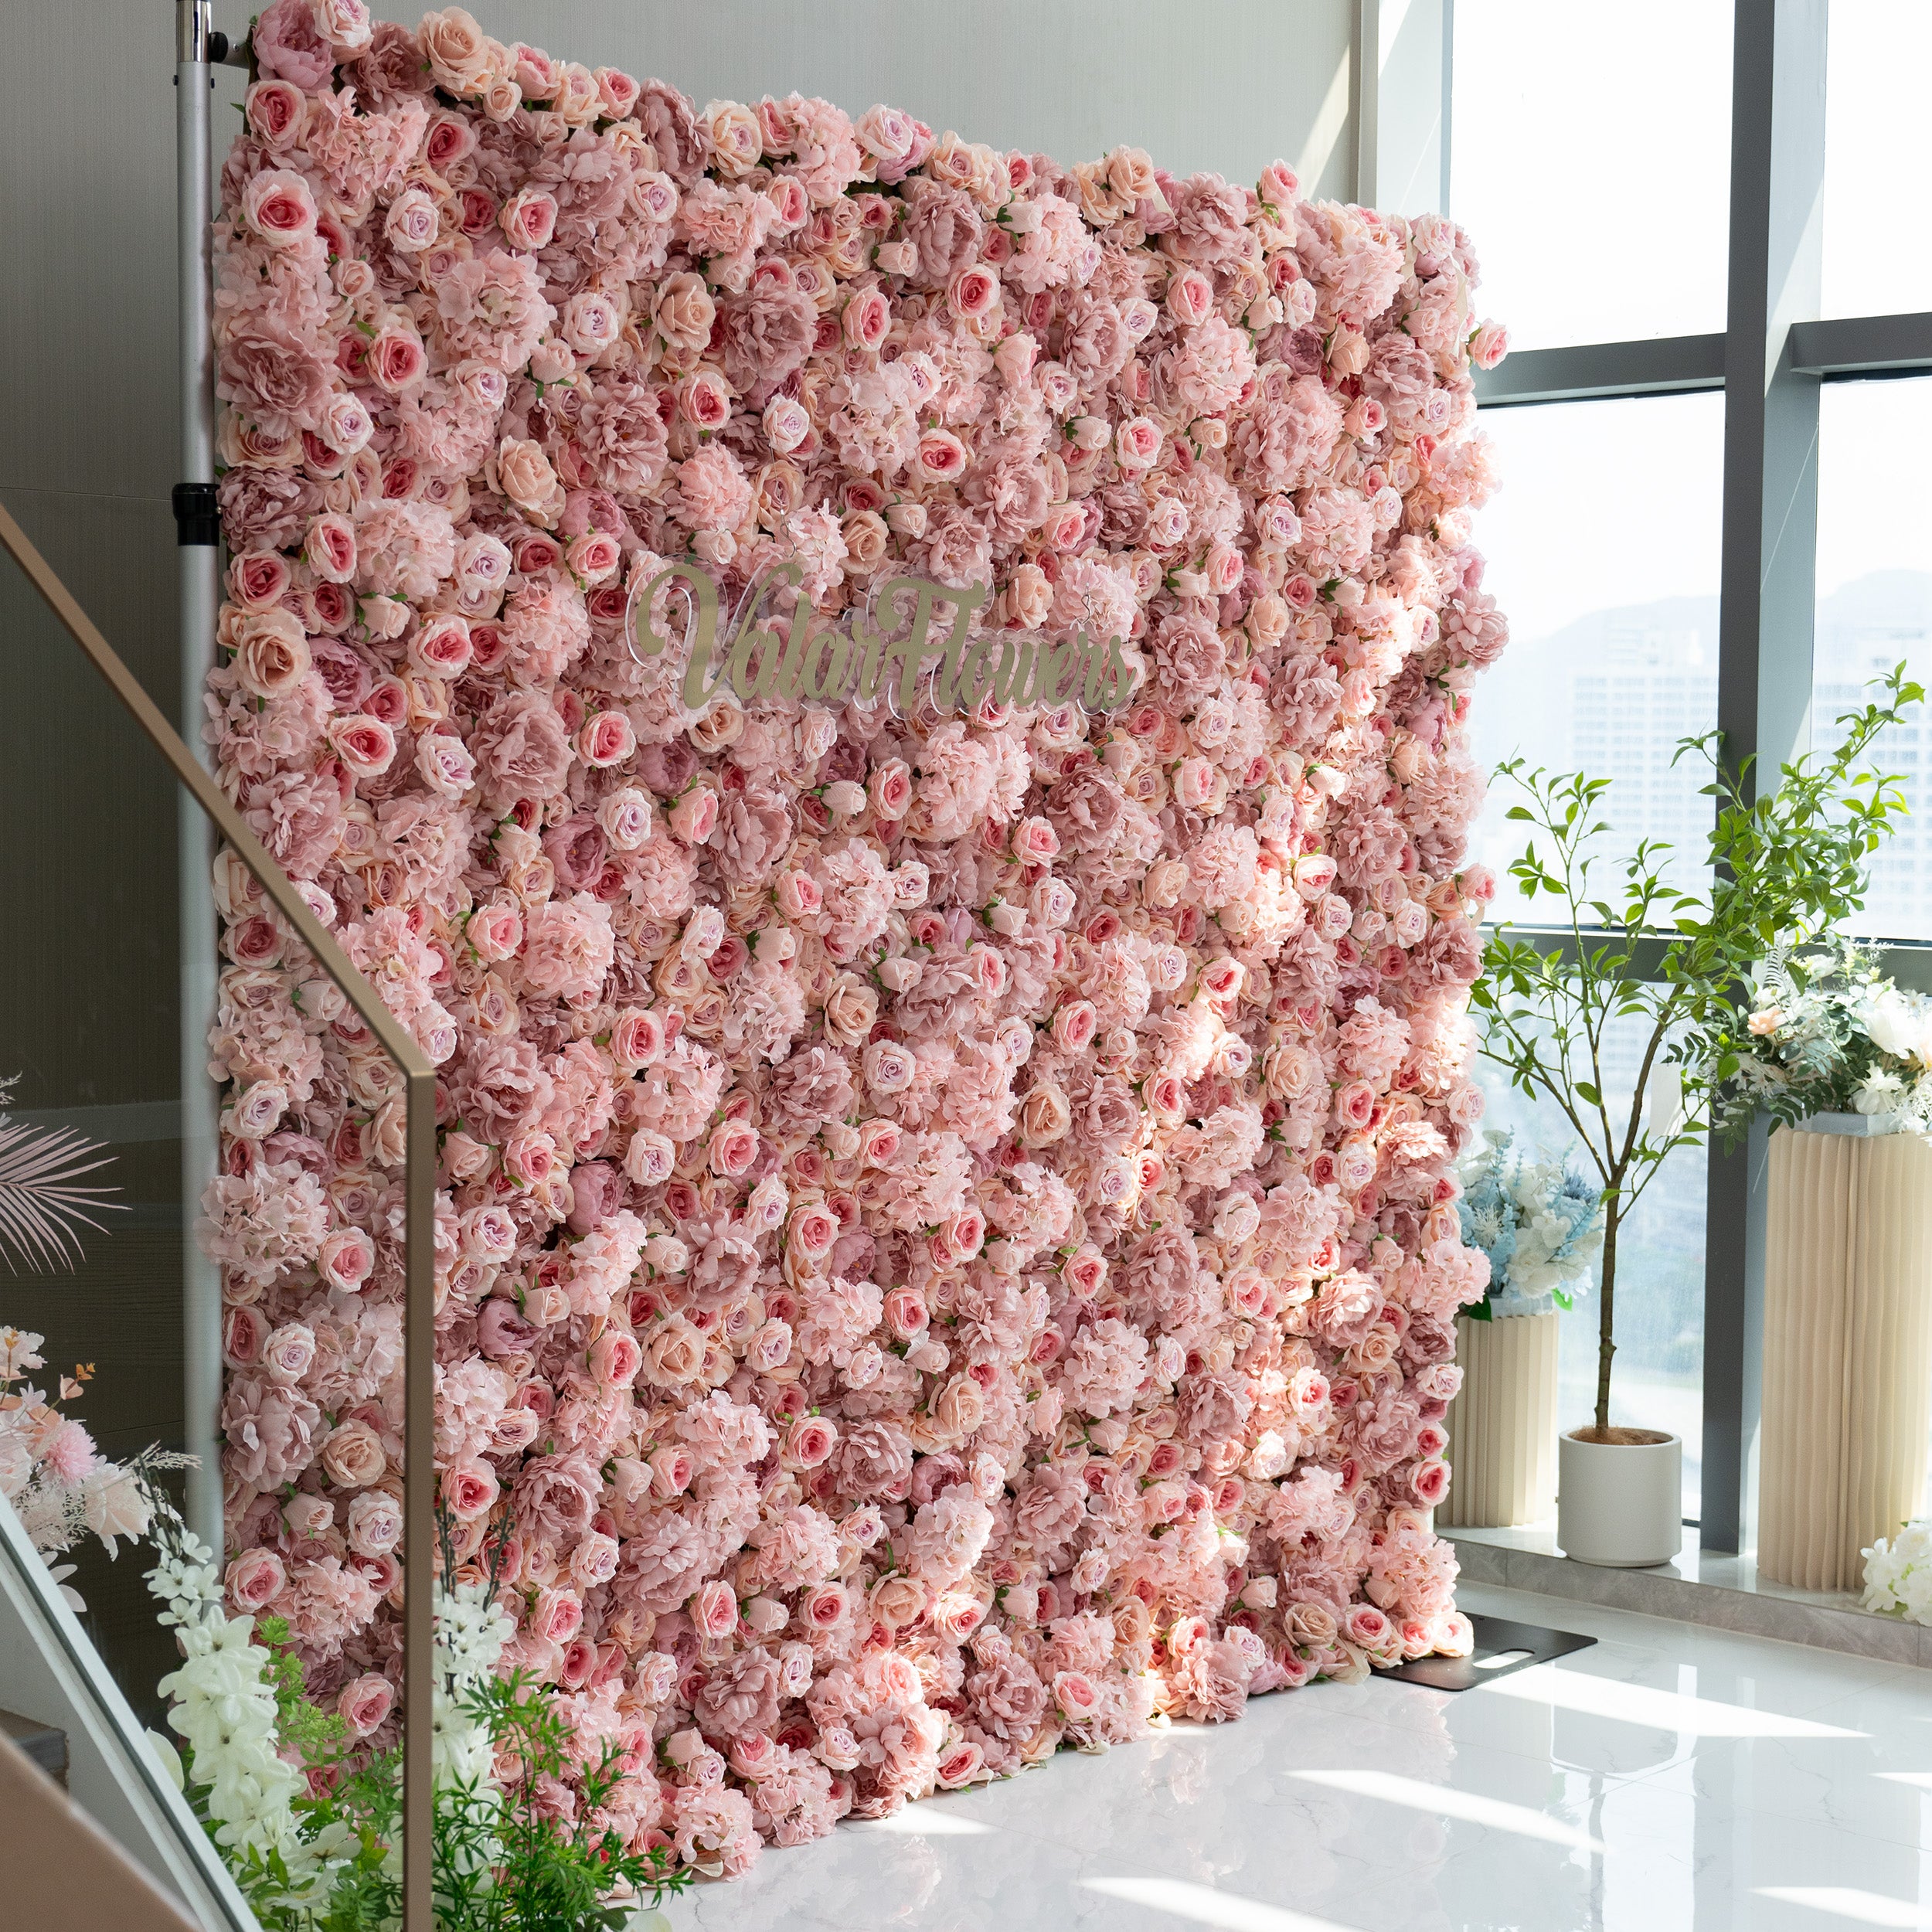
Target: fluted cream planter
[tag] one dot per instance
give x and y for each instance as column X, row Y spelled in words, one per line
column 1848, row 1349
column 1502, row 1424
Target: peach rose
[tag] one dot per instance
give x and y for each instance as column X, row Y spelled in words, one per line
column 353, row 1455
column 458, row 53
column 1044, row 1116
column 525, row 476
column 272, row 653
column 684, row 312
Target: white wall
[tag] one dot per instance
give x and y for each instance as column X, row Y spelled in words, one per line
column 1229, row 85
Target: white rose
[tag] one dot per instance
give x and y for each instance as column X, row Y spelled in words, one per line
column 1892, row 1024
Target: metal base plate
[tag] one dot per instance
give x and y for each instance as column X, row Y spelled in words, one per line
column 1497, row 1639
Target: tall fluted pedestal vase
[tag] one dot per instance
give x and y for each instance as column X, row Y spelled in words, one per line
column 1848, row 1348
column 1502, row 1424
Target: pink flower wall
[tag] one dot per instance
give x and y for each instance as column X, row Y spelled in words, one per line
column 947, row 1243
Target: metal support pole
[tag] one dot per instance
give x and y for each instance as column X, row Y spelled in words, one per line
column 1767, row 614
column 419, row 1506
column 199, row 552
column 198, row 527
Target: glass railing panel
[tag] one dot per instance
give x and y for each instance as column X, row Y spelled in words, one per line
column 205, row 1212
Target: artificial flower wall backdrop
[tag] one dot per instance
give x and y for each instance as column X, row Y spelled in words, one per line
column 947, row 1240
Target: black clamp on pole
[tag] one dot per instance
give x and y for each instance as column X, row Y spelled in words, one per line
column 197, row 515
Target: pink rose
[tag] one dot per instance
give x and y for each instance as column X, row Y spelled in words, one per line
column 972, row 294
column 259, row 579
column 824, row 1607
column 275, row 110
column 376, row 1523
column 799, row 895
column 941, row 456
column 606, row 738
column 714, row 1610
column 1355, row 1163
column 734, row 1147
column 557, row 1615
column 906, row 1312
column 397, row 359
column 615, row 1359
column 330, row 548
column 496, row 929
column 254, row 1580
column 785, row 423
column 289, row 1353
column 812, row 1439
column 1074, row 1693
column 1074, row 1025
column 470, row 1489
column 279, row 208
column 693, row 817
column 1313, row 874
column 365, row 1702
column 528, row 219
column 1136, row 442
column 346, row 1259
column 441, row 647
column 365, row 744
column 244, row 1332
column 866, row 317
column 637, row 1039
column 891, row 789
column 412, row 222
column 704, row 401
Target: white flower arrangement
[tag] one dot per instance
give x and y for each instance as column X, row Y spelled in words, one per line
column 1540, row 1223
column 1829, row 1034
column 224, row 1704
column 224, row 1707
column 1898, row 1574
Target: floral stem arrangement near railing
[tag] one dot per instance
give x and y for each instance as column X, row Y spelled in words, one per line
column 306, row 1804
column 59, row 1484
column 1670, row 953
column 946, row 1239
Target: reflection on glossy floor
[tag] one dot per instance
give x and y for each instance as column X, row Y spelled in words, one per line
column 1669, row 1778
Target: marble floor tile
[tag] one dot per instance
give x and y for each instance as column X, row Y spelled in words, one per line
column 1667, row 1777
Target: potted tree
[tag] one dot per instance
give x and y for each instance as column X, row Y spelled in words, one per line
column 1674, row 959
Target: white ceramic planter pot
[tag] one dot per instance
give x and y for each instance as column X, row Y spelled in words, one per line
column 1502, row 1424
column 1848, row 1346
column 1620, row 1504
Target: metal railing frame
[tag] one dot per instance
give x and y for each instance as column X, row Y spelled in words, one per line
column 419, row 1078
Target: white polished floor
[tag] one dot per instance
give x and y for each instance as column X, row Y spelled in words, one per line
column 1669, row 1778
